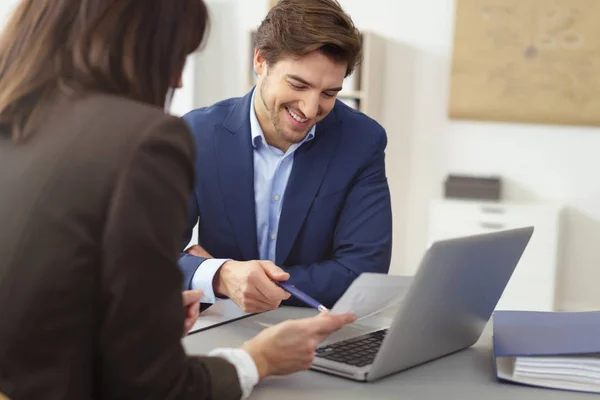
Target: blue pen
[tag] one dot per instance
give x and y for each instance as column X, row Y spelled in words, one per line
column 299, row 294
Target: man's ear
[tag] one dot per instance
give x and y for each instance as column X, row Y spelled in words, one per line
column 260, row 63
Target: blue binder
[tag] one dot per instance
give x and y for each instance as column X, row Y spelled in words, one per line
column 551, row 349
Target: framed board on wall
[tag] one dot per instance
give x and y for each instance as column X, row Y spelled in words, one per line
column 526, row 61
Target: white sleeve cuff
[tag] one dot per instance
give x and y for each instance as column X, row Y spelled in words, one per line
column 244, row 365
column 203, row 278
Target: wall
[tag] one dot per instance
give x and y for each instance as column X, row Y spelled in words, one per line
column 185, row 98
column 6, row 6
column 537, row 163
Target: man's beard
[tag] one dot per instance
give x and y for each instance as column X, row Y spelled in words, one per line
column 276, row 121
column 273, row 116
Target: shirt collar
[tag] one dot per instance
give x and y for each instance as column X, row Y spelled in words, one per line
column 257, row 133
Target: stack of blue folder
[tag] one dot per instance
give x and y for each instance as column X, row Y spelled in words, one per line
column 558, row 350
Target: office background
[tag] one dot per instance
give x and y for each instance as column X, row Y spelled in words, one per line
column 537, row 163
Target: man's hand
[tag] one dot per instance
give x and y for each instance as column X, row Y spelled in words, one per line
column 198, row 251
column 290, row 346
column 250, row 284
column 191, row 301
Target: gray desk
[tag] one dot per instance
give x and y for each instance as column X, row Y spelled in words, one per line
column 465, row 375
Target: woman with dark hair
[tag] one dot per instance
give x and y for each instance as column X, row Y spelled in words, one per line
column 94, row 184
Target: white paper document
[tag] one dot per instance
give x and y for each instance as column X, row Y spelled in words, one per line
column 220, row 312
column 371, row 293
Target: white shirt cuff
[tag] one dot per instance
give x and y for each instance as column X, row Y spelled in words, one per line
column 203, row 278
column 244, row 365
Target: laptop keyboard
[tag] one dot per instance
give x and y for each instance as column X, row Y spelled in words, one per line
column 358, row 351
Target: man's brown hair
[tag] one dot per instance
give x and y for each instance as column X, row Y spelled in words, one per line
column 131, row 48
column 298, row 27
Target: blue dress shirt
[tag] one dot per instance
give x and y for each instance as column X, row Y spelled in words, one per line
column 272, row 168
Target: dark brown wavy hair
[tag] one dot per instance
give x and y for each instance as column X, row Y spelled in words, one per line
column 131, row 48
column 298, row 27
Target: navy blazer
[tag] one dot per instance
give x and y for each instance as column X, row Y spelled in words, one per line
column 336, row 219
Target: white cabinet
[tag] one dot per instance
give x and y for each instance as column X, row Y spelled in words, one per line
column 533, row 283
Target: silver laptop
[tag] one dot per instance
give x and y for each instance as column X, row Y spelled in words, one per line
column 446, row 308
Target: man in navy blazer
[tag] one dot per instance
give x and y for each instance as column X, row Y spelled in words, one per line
column 290, row 182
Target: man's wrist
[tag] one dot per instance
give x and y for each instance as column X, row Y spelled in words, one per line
column 218, row 283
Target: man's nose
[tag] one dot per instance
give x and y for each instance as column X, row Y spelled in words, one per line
column 310, row 106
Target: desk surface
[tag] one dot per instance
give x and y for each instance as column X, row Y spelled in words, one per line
column 468, row 374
